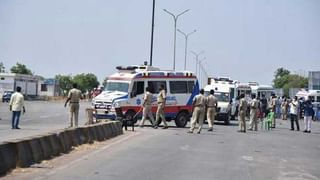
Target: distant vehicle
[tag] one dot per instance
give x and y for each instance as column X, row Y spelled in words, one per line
column 125, row 89
column 240, row 88
column 7, row 96
column 260, row 90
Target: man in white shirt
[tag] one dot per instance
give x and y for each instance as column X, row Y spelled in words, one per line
column 16, row 105
column 294, row 113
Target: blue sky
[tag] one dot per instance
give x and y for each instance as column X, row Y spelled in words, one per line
column 246, row 40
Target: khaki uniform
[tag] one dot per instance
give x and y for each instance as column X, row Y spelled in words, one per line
column 284, row 110
column 253, row 114
column 74, row 95
column 211, row 109
column 242, row 114
column 147, row 109
column 198, row 112
column 160, row 111
column 273, row 107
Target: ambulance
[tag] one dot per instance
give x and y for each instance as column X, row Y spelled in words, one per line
column 126, row 89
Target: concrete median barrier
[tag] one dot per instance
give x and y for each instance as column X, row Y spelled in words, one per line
column 46, row 146
column 100, row 134
column 8, row 157
column 107, row 130
column 65, row 141
column 25, row 157
column 84, row 135
column 92, row 134
column 36, row 149
column 74, row 136
column 25, row 152
column 55, row 144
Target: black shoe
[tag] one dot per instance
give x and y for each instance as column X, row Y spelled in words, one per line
column 210, row 129
column 308, row 131
column 198, row 132
column 291, row 129
column 17, row 128
column 165, row 127
column 305, row 131
column 244, row 131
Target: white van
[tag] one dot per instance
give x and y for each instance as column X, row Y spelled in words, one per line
column 223, row 88
column 240, row 88
column 126, row 89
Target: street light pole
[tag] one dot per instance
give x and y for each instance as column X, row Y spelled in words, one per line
column 186, row 45
column 175, row 18
column 197, row 59
column 201, row 71
column 152, row 30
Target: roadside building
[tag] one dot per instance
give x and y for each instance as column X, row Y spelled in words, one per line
column 49, row 87
column 28, row 83
column 314, row 80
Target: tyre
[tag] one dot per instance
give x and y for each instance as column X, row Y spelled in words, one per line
column 129, row 115
column 227, row 119
column 182, row 119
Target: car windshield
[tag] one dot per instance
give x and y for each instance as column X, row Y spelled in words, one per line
column 117, row 86
column 222, row 97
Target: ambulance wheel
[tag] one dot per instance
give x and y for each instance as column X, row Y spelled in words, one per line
column 129, row 115
column 182, row 119
column 227, row 119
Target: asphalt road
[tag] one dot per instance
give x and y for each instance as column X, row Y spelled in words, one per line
column 40, row 117
column 149, row 154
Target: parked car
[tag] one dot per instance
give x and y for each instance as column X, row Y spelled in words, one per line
column 6, row 96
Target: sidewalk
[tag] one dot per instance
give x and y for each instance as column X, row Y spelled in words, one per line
column 41, row 117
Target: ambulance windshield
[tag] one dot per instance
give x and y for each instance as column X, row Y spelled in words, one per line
column 117, row 86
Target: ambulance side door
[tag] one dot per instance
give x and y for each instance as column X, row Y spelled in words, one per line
column 137, row 93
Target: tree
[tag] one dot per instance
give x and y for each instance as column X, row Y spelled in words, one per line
column 86, row 82
column 65, row 82
column 20, row 69
column 283, row 79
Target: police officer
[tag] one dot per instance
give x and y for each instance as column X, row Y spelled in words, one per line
column 253, row 113
column 273, row 106
column 199, row 102
column 74, row 98
column 242, row 113
column 147, row 108
column 212, row 104
column 160, row 111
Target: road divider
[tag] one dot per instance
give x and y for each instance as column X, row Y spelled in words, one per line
column 25, row 152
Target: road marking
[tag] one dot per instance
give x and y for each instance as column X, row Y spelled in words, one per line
column 48, row 116
column 247, row 158
column 54, row 171
column 185, row 148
